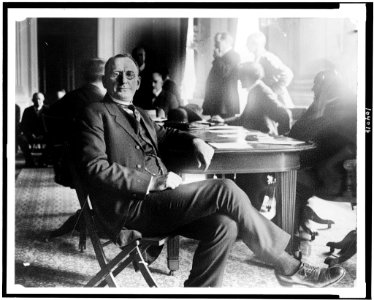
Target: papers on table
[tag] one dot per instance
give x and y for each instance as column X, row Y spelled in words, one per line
column 231, row 146
column 225, row 128
column 276, row 141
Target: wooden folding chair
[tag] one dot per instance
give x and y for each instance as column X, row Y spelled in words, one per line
column 133, row 252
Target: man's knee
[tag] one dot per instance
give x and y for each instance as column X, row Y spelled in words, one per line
column 216, row 228
column 229, row 228
column 234, row 190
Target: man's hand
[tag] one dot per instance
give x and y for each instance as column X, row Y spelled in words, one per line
column 163, row 182
column 216, row 53
column 203, row 153
column 217, row 119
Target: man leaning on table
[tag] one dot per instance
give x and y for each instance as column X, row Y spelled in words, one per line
column 119, row 151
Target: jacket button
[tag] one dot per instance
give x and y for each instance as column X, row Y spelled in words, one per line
column 137, row 147
column 138, row 166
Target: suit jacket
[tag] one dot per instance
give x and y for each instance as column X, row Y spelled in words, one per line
column 277, row 76
column 166, row 101
column 32, row 123
column 143, row 97
column 221, row 91
column 263, row 109
column 112, row 162
column 171, row 87
column 66, row 110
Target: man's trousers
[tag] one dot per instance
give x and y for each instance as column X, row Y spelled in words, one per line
column 215, row 212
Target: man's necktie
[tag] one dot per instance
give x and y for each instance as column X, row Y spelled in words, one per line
column 135, row 113
column 131, row 109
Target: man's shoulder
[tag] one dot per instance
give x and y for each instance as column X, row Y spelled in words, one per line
column 29, row 111
column 166, row 94
column 261, row 89
column 232, row 55
column 98, row 106
column 270, row 58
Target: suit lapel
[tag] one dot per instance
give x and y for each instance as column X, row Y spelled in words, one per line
column 149, row 127
column 119, row 117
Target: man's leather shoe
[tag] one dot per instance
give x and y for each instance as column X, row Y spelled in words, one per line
column 310, row 276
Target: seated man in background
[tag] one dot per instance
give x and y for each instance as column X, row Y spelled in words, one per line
column 277, row 75
column 62, row 114
column 170, row 86
column 118, row 151
column 162, row 101
column 32, row 128
column 330, row 123
column 263, row 111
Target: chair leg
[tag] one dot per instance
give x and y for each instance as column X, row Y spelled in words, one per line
column 118, row 270
column 82, row 240
column 143, row 267
column 109, row 279
column 173, row 254
column 107, row 268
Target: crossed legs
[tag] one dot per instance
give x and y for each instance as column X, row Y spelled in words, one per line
column 208, row 210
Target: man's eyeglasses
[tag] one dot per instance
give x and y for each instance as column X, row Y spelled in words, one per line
column 130, row 75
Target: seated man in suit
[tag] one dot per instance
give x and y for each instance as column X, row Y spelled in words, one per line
column 32, row 127
column 330, row 123
column 163, row 101
column 170, row 85
column 118, row 151
column 62, row 114
column 263, row 111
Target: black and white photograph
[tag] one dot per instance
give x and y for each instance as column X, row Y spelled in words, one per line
column 195, row 149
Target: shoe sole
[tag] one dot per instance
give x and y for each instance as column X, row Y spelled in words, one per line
column 284, row 282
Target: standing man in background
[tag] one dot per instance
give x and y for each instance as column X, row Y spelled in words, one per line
column 144, row 96
column 221, row 91
column 277, row 75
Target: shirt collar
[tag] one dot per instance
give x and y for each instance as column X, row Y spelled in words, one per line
column 227, row 50
column 158, row 92
column 121, row 102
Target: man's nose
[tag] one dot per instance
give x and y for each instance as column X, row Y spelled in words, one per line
column 122, row 78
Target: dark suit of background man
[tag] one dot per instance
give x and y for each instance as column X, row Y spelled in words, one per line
column 143, row 98
column 74, row 101
column 163, row 101
column 118, row 151
column 63, row 113
column 221, row 90
column 32, row 127
column 263, row 111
